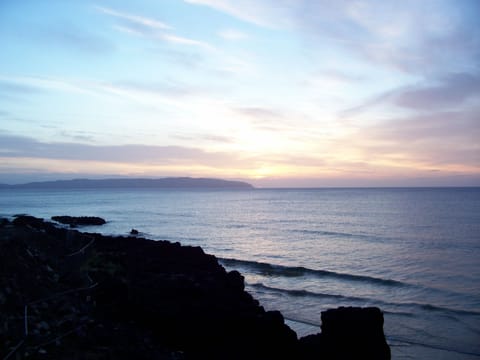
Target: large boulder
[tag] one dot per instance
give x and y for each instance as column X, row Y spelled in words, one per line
column 348, row 333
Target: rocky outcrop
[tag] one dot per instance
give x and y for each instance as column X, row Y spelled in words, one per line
column 98, row 297
column 75, row 221
column 348, row 333
column 188, row 300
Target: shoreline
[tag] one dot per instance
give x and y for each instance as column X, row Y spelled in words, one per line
column 170, row 301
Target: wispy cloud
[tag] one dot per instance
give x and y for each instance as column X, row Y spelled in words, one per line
column 408, row 36
column 188, row 60
column 153, row 93
column 262, row 118
column 451, row 90
column 9, row 87
column 368, row 104
column 448, row 91
column 336, row 75
column 260, row 13
column 278, row 127
column 441, row 138
column 259, row 113
column 174, row 39
column 74, row 38
column 19, row 91
column 185, row 48
column 25, row 147
column 222, row 139
column 40, row 84
column 135, row 21
column 165, row 88
column 78, row 136
column 419, row 39
column 151, row 28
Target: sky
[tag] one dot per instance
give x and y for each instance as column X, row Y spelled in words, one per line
column 279, row 93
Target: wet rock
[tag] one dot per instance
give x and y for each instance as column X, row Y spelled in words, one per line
column 74, row 221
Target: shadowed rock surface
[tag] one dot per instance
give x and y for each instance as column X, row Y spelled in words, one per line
column 90, row 296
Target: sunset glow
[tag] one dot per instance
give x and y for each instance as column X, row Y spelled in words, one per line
column 274, row 92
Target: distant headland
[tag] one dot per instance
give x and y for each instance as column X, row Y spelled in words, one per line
column 161, row 183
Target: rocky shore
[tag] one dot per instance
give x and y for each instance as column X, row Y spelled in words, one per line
column 65, row 294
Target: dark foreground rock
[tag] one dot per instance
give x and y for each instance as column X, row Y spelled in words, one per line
column 75, row 221
column 89, row 296
column 348, row 332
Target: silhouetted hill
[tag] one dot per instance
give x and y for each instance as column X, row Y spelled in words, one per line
column 173, row 182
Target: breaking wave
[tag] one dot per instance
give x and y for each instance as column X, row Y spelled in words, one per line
column 294, row 271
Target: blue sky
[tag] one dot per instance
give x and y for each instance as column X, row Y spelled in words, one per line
column 275, row 92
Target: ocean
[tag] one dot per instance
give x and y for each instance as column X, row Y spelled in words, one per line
column 413, row 252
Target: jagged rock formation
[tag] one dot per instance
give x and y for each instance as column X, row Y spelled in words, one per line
column 89, row 296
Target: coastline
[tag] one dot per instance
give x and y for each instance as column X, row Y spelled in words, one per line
column 133, row 297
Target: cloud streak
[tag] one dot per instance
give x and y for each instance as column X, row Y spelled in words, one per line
column 408, row 36
column 150, row 28
column 222, row 139
column 260, row 13
column 453, row 90
column 445, row 139
column 135, row 21
column 8, row 87
column 71, row 37
column 449, row 91
column 25, row 147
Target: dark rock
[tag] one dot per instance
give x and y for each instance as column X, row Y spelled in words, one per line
column 348, row 333
column 236, row 280
column 27, row 220
column 74, row 221
column 134, row 232
column 127, row 290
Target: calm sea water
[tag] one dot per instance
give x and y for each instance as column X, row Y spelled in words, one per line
column 415, row 253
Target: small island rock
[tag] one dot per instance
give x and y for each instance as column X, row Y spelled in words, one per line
column 74, row 221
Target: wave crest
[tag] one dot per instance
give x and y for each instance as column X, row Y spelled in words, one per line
column 293, row 271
